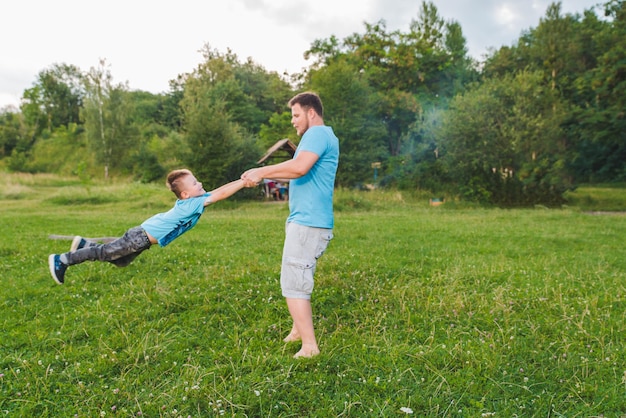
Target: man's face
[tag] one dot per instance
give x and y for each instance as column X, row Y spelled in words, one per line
column 299, row 119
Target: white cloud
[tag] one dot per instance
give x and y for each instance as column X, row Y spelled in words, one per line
column 505, row 16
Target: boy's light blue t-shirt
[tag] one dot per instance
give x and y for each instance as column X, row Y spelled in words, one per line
column 167, row 226
column 311, row 196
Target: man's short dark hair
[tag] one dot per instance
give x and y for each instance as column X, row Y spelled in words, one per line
column 308, row 100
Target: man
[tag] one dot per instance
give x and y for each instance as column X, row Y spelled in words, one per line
column 310, row 223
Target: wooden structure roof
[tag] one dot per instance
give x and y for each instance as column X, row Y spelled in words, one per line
column 281, row 150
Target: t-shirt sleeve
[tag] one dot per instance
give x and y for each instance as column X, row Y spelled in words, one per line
column 315, row 145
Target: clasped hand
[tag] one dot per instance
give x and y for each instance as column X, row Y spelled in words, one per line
column 251, row 178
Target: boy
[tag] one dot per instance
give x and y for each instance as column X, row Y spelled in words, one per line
column 160, row 229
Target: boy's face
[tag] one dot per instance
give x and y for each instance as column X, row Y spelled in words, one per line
column 191, row 187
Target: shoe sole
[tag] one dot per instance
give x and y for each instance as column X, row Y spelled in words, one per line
column 51, row 266
column 75, row 243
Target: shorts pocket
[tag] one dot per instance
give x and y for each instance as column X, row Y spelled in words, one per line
column 323, row 244
column 297, row 275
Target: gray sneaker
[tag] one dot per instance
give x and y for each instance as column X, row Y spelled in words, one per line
column 57, row 268
column 77, row 243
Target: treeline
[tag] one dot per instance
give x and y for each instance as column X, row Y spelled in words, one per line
column 411, row 109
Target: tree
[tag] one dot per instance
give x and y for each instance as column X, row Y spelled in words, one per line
column 582, row 58
column 219, row 146
column 277, row 127
column 350, row 108
column 262, row 95
column 170, row 112
column 407, row 72
column 105, row 113
column 462, row 69
column 502, row 142
column 561, row 46
column 602, row 119
column 55, row 98
column 14, row 134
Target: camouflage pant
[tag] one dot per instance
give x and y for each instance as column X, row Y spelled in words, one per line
column 120, row 252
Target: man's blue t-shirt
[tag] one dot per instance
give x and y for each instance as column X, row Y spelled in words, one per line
column 311, row 196
column 167, row 226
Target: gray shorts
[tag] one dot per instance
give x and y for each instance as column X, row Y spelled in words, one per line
column 303, row 246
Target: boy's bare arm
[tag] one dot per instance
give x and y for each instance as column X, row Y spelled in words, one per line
column 224, row 192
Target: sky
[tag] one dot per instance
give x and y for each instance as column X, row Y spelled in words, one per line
column 147, row 43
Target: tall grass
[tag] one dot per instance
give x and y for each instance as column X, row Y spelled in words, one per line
column 599, row 197
column 450, row 311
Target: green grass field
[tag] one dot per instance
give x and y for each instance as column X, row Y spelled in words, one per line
column 449, row 311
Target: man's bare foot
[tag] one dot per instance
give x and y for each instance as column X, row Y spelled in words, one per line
column 292, row 337
column 307, row 351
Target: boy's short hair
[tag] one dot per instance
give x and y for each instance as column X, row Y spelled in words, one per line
column 174, row 180
column 308, row 100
